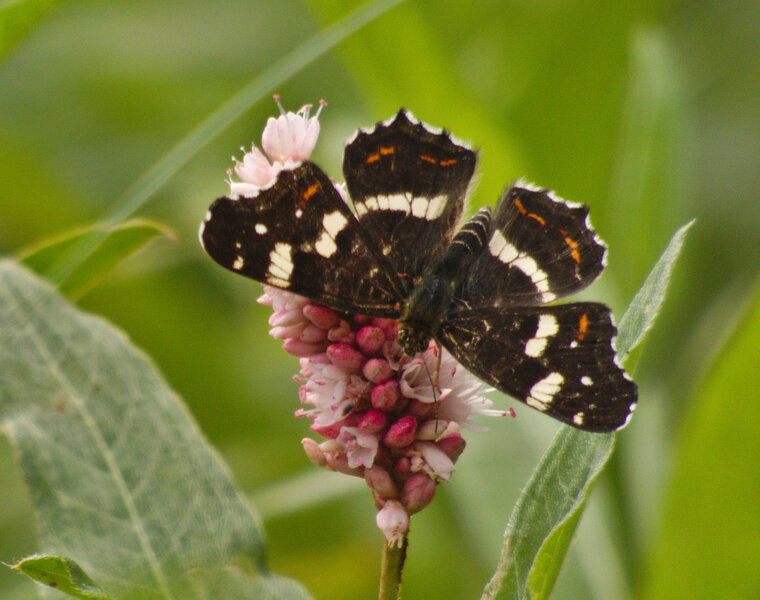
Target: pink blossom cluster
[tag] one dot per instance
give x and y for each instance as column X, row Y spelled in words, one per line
column 392, row 419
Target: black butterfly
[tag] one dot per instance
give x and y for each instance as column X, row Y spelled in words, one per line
column 480, row 290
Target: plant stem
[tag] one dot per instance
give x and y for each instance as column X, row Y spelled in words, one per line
column 390, row 569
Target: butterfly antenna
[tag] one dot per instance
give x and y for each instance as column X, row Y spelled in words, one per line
column 434, row 381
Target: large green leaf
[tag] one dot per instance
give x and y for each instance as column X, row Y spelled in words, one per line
column 707, row 541
column 544, row 519
column 123, row 483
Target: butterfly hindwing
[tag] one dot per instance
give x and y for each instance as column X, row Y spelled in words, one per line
column 557, row 359
column 298, row 234
column 408, row 184
column 539, row 249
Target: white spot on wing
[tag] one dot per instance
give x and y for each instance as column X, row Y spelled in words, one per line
column 280, row 265
column 325, row 245
column 419, row 207
column 238, row 264
column 435, row 207
column 334, row 223
column 543, row 391
column 260, row 228
column 586, row 380
column 578, row 418
column 547, row 327
column 399, row 202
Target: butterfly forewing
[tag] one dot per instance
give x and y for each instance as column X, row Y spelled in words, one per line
column 540, row 248
column 557, row 359
column 298, row 234
column 408, row 185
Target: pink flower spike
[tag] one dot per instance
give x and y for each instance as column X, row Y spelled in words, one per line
column 370, row 340
column 321, row 316
column 393, row 521
column 418, row 492
column 345, row 357
column 384, row 396
column 377, row 370
column 380, row 482
column 401, row 433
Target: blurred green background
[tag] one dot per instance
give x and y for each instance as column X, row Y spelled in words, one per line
column 647, row 111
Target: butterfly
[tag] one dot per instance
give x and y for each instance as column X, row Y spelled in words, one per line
column 485, row 289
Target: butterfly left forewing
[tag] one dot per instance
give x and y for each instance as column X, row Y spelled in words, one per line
column 299, row 235
column 559, row 360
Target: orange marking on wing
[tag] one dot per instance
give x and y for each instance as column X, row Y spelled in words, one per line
column 310, row 191
column 573, row 249
column 520, row 207
column 426, row 158
column 384, row 150
column 582, row 327
column 449, row 162
column 373, row 158
column 538, row 218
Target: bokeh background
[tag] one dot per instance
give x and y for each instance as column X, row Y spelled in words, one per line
column 648, row 111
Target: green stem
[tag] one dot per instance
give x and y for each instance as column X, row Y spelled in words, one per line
column 390, row 569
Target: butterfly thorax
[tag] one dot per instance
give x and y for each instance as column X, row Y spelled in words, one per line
column 434, row 295
column 423, row 312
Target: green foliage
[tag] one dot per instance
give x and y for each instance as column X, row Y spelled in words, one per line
column 61, row 574
column 110, row 249
column 647, row 111
column 706, row 545
column 125, row 488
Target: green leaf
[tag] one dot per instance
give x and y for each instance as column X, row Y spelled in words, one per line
column 63, row 575
column 114, row 246
column 546, row 514
column 641, row 313
column 18, row 18
column 706, row 543
column 122, row 480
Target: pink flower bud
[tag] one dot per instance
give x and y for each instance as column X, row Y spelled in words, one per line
column 389, row 327
column 296, row 347
column 283, row 318
column 380, row 482
column 370, row 340
column 377, row 370
column 313, row 452
column 345, row 357
column 422, row 410
column 313, row 334
column 431, row 429
column 393, row 521
column 332, row 430
column 339, row 462
column 452, row 445
column 289, row 331
column 373, row 421
column 321, row 316
column 401, row 433
column 418, row 492
column 384, row 396
column 340, row 332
